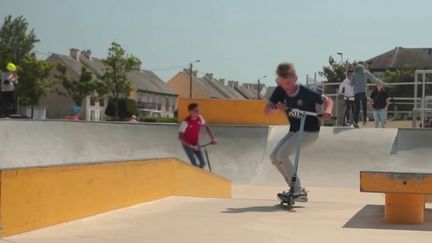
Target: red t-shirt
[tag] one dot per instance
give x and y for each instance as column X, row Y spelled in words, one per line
column 191, row 129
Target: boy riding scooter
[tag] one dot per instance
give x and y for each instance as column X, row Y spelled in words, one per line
column 287, row 96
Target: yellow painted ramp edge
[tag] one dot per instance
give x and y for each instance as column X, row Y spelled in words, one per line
column 235, row 112
column 33, row 198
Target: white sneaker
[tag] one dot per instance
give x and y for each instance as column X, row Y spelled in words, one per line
column 300, row 195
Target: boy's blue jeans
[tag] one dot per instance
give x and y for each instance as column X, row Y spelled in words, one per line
column 194, row 155
column 286, row 148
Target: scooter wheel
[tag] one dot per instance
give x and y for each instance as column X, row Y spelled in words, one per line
column 290, row 202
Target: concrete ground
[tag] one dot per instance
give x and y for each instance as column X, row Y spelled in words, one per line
column 393, row 124
column 252, row 215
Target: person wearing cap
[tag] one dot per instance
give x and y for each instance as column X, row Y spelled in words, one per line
column 75, row 115
column 380, row 103
column 8, row 81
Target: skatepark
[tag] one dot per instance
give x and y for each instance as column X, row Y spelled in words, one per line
column 245, row 211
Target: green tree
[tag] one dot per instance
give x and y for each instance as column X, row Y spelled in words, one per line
column 118, row 64
column 336, row 72
column 405, row 74
column 33, row 82
column 82, row 87
column 126, row 108
column 16, row 40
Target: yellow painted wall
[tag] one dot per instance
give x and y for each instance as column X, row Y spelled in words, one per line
column 204, row 183
column 236, row 112
column 37, row 197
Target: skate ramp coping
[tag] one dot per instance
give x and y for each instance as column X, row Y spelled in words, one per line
column 405, row 190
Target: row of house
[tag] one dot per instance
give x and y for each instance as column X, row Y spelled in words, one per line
column 154, row 97
column 400, row 57
column 208, row 87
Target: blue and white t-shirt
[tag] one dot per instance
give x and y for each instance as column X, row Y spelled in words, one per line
column 304, row 99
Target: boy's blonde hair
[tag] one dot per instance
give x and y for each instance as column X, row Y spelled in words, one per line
column 285, row 70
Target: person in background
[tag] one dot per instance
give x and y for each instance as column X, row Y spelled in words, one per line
column 9, row 80
column 346, row 90
column 133, row 119
column 380, row 103
column 76, row 114
column 359, row 81
column 189, row 132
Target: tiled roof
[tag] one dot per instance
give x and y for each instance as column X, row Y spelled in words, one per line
column 148, row 81
column 420, row 58
column 142, row 80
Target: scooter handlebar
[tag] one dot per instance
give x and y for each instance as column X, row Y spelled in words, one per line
column 300, row 112
column 205, row 145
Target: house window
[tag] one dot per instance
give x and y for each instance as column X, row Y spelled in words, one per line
column 92, row 115
column 102, row 102
column 173, row 103
column 167, row 104
column 92, row 101
column 142, row 98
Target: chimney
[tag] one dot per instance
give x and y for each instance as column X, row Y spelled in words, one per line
column 209, row 75
column 75, row 54
column 233, row 84
column 87, row 54
column 222, row 81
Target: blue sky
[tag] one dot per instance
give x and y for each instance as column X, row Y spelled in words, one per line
column 239, row 40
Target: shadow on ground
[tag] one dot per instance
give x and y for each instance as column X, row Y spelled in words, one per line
column 262, row 209
column 372, row 217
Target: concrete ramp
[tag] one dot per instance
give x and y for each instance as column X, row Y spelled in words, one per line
column 41, row 143
column 335, row 159
column 242, row 154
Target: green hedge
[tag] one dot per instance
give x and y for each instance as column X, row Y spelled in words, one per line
column 126, row 108
column 158, row 119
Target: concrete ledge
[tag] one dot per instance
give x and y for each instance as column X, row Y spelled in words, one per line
column 404, row 192
column 32, row 198
column 382, row 180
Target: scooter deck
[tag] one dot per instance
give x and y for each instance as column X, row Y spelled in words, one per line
column 286, row 201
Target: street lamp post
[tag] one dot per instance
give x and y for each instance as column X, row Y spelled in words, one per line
column 341, row 55
column 190, row 78
column 337, row 97
column 259, row 85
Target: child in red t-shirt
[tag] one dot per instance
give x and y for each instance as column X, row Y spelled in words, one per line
column 189, row 135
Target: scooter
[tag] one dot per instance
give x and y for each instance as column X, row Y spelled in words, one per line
column 287, row 199
column 203, row 147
